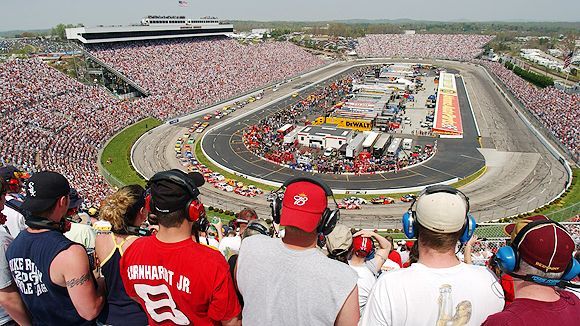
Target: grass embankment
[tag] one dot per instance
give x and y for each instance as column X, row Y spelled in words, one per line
column 566, row 206
column 116, row 157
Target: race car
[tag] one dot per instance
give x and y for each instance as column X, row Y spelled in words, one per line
column 408, row 198
column 348, row 206
column 382, row 200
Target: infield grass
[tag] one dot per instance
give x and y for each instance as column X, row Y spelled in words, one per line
column 116, row 157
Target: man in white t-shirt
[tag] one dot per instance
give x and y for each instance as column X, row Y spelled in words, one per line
column 13, row 179
column 367, row 269
column 438, row 289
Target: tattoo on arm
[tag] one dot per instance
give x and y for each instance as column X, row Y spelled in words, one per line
column 78, row 281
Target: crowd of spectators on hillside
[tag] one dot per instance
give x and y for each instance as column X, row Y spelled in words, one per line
column 50, row 121
column 181, row 75
column 35, row 45
column 558, row 111
column 440, row 46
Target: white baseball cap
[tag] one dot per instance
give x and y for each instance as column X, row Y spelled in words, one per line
column 441, row 212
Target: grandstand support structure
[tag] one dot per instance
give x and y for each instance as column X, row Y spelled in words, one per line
column 112, row 70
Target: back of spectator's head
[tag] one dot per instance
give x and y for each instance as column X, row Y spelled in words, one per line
column 305, row 206
column 244, row 217
column 440, row 219
column 339, row 242
column 122, row 207
column 362, row 246
column 47, row 195
column 540, row 247
column 257, row 226
column 174, row 197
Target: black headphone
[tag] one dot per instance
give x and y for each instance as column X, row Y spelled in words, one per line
column 256, row 226
column 38, row 222
column 410, row 217
column 194, row 208
column 508, row 260
column 329, row 217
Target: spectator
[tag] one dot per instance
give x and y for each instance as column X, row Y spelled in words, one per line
column 438, row 289
column 539, row 258
column 394, row 260
column 256, row 226
column 52, row 273
column 175, row 279
column 367, row 262
column 289, row 281
column 243, row 218
column 125, row 210
column 338, row 243
column 14, row 219
column 12, row 309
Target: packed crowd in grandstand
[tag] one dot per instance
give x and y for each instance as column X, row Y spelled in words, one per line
column 183, row 75
column 50, row 121
column 556, row 109
column 461, row 47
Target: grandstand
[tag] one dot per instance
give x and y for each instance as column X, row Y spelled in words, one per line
column 151, row 28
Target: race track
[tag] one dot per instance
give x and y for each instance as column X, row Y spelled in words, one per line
column 521, row 174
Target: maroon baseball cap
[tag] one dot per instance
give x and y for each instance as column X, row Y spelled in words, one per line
column 547, row 247
column 303, row 205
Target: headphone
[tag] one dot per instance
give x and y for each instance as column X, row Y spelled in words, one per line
column 329, row 217
column 508, row 261
column 256, row 226
column 194, row 208
column 38, row 222
column 410, row 217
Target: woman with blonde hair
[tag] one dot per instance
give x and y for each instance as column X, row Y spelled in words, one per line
column 125, row 211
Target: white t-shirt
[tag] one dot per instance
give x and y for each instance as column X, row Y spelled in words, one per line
column 230, row 245
column 83, row 234
column 390, row 265
column 365, row 282
column 404, row 255
column 14, row 220
column 419, row 295
column 5, row 275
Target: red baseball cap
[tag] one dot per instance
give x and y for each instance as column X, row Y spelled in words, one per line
column 303, row 205
column 362, row 244
column 547, row 247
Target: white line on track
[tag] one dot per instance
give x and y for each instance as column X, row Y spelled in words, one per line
column 531, row 199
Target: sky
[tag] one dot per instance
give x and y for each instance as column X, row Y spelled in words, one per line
column 41, row 14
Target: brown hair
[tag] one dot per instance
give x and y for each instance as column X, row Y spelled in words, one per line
column 172, row 219
column 441, row 242
column 121, row 207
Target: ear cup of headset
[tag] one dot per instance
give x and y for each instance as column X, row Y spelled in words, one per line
column 506, row 259
column 195, row 210
column 276, row 206
column 328, row 221
column 408, row 224
column 469, row 229
column 572, row 271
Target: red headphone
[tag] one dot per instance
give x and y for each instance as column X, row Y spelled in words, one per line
column 194, row 207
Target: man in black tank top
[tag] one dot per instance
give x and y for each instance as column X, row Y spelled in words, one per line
column 51, row 272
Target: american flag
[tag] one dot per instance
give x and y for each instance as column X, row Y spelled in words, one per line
column 183, row 3
column 568, row 60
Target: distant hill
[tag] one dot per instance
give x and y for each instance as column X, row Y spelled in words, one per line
column 13, row 33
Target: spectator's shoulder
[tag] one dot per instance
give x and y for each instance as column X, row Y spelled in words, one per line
column 504, row 318
column 481, row 271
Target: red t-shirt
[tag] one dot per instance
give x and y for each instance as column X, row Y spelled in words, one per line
column 181, row 283
column 528, row 312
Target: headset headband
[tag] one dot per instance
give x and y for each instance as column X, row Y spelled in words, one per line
column 528, row 227
column 327, row 189
column 179, row 179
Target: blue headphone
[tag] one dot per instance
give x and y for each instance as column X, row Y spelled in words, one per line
column 508, row 261
column 410, row 217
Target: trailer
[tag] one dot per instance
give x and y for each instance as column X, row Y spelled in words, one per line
column 370, row 141
column 354, row 147
column 381, row 144
column 395, row 147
